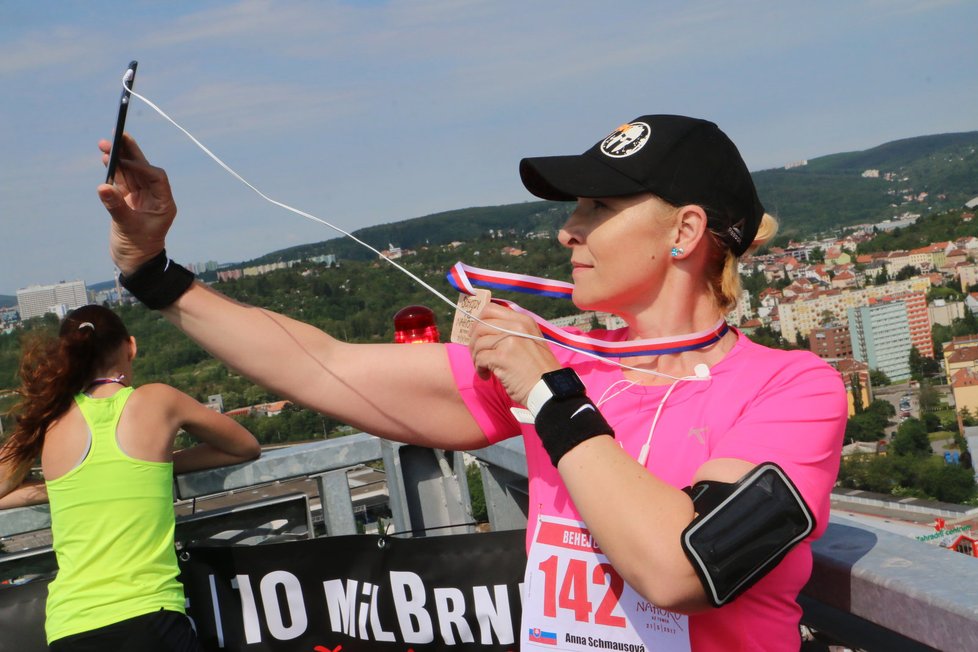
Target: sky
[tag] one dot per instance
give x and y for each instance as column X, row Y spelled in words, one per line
column 368, row 111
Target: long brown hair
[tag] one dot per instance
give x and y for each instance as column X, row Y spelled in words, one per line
column 54, row 369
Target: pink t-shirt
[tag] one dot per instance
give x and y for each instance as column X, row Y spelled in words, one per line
column 760, row 405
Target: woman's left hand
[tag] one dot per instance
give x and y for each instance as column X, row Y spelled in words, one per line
column 517, row 362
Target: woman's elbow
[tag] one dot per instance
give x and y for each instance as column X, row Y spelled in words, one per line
column 252, row 451
column 683, row 594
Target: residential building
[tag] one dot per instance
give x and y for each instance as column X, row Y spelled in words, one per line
column 262, row 409
column 880, row 335
column 944, row 312
column 964, row 386
column 855, row 374
column 801, row 315
column 918, row 319
column 9, row 315
column 741, row 311
column 960, row 357
column 830, row 342
column 928, row 257
column 968, row 274
column 955, row 349
column 37, row 300
column 895, row 261
column 844, row 279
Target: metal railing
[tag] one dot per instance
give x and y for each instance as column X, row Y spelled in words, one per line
column 870, row 589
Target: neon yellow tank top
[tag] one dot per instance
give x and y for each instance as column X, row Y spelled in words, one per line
column 112, row 524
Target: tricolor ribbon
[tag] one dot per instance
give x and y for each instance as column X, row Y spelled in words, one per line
column 465, row 278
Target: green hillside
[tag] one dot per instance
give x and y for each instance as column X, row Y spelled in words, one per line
column 463, row 225
column 830, row 191
column 816, row 198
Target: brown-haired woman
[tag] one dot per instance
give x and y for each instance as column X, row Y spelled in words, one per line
column 106, row 452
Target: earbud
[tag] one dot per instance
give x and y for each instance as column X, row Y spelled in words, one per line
column 702, row 371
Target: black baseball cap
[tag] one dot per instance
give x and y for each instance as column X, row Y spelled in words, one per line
column 679, row 159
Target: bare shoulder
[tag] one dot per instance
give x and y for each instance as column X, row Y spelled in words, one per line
column 159, row 397
column 157, row 391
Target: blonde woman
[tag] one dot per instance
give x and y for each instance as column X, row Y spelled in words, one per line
column 678, row 472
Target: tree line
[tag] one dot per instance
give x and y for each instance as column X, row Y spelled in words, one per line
column 356, row 301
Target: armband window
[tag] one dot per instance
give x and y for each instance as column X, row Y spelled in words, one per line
column 743, row 529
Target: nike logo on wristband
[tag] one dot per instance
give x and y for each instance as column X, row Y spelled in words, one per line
column 587, row 406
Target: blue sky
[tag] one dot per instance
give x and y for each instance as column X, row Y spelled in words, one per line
column 370, row 112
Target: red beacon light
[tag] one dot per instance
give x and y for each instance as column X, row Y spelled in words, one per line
column 415, row 325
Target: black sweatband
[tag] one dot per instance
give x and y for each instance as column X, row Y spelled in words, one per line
column 158, row 282
column 564, row 423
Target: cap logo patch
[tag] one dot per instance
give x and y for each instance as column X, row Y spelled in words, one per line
column 626, row 140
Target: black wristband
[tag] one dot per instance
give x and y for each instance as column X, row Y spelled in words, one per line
column 158, row 282
column 564, row 423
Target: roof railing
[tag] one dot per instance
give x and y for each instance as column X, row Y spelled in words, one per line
column 870, row 589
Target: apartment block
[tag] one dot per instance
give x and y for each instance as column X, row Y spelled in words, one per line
column 37, row 300
column 918, row 318
column 800, row 315
column 881, row 337
column 831, row 342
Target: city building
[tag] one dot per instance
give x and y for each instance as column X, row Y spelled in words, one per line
column 961, row 357
column 262, row 409
column 37, row 300
column 880, row 335
column 968, row 274
column 944, row 312
column 918, row 318
column 798, row 316
column 964, row 386
column 741, row 312
column 830, row 342
column 855, row 375
column 9, row 315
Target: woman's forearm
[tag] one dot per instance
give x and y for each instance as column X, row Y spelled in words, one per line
column 205, row 456
column 30, row 492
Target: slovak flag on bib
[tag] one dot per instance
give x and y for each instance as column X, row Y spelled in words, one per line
column 537, row 635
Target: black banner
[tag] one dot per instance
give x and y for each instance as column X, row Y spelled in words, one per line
column 353, row 593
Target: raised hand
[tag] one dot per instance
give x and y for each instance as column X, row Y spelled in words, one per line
column 141, row 205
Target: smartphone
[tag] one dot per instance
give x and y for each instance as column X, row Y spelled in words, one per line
column 120, row 122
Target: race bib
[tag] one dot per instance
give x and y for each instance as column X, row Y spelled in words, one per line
column 575, row 600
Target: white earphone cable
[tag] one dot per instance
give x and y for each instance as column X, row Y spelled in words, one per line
column 413, row 276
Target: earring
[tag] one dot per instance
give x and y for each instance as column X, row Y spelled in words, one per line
column 677, row 251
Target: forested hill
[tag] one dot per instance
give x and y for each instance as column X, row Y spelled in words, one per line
column 831, row 191
column 818, row 197
column 463, row 225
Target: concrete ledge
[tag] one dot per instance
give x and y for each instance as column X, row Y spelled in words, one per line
column 24, row 519
column 924, row 592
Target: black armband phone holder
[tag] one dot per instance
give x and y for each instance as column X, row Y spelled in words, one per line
column 742, row 530
column 158, row 282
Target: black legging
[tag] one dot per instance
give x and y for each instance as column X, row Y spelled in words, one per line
column 160, row 631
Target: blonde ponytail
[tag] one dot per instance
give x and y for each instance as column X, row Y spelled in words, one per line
column 725, row 276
